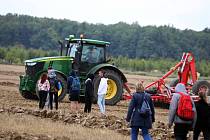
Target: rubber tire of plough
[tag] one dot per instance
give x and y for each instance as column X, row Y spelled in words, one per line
column 174, row 82
column 198, row 84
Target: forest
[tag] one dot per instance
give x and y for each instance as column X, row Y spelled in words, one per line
column 143, row 48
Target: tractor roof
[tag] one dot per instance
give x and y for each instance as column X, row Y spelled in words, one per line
column 88, row 41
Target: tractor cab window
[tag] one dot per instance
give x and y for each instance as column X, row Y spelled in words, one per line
column 73, row 49
column 92, row 54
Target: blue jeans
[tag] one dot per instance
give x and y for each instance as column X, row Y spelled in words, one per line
column 135, row 131
column 101, row 103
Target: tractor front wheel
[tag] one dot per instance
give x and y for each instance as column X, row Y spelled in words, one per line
column 28, row 95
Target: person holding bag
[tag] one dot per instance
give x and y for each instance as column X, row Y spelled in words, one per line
column 138, row 118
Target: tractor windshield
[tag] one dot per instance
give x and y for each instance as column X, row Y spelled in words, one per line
column 92, row 54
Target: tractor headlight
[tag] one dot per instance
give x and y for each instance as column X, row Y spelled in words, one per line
column 31, row 64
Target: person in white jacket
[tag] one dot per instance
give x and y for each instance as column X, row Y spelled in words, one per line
column 102, row 89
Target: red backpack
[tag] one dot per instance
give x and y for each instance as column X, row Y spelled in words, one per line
column 185, row 107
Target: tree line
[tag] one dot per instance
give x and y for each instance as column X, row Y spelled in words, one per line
column 18, row 54
column 130, row 40
column 133, row 47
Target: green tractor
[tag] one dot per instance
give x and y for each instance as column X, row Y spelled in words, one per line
column 84, row 55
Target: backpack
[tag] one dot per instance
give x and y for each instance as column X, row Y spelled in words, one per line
column 53, row 84
column 185, row 107
column 75, row 83
column 145, row 110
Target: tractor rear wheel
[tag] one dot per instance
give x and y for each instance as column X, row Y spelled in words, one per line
column 201, row 84
column 115, row 87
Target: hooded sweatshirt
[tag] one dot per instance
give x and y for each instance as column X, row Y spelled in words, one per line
column 174, row 105
column 51, row 73
column 102, row 89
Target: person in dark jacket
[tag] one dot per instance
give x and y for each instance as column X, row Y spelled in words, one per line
column 73, row 92
column 202, row 116
column 136, row 120
column 89, row 89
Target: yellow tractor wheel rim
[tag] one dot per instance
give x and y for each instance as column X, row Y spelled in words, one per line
column 112, row 89
column 60, row 90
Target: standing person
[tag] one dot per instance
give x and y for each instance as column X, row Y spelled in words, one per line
column 53, row 93
column 136, row 120
column 43, row 88
column 102, row 89
column 202, row 109
column 73, row 85
column 182, row 127
column 89, row 89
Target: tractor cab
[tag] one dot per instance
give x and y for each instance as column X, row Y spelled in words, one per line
column 86, row 53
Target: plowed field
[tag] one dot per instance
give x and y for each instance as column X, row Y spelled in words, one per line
column 21, row 119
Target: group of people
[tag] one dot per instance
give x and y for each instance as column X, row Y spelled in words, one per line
column 49, row 85
column 199, row 123
column 199, row 117
column 74, row 91
column 141, row 112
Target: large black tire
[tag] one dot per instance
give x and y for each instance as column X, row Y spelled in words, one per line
column 64, row 86
column 63, row 81
column 115, row 87
column 199, row 84
column 28, row 95
column 174, row 82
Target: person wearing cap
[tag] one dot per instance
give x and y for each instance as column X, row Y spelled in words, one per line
column 53, row 92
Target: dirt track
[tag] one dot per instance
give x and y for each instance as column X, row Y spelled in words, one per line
column 13, row 107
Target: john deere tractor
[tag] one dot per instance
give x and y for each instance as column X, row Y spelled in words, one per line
column 83, row 55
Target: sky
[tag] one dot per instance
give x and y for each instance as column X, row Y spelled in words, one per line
column 181, row 14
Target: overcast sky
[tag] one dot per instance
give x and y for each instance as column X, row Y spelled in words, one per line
column 182, row 14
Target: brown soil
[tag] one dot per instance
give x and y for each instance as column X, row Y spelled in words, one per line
column 13, row 108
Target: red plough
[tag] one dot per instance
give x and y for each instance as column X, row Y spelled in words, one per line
column 187, row 74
